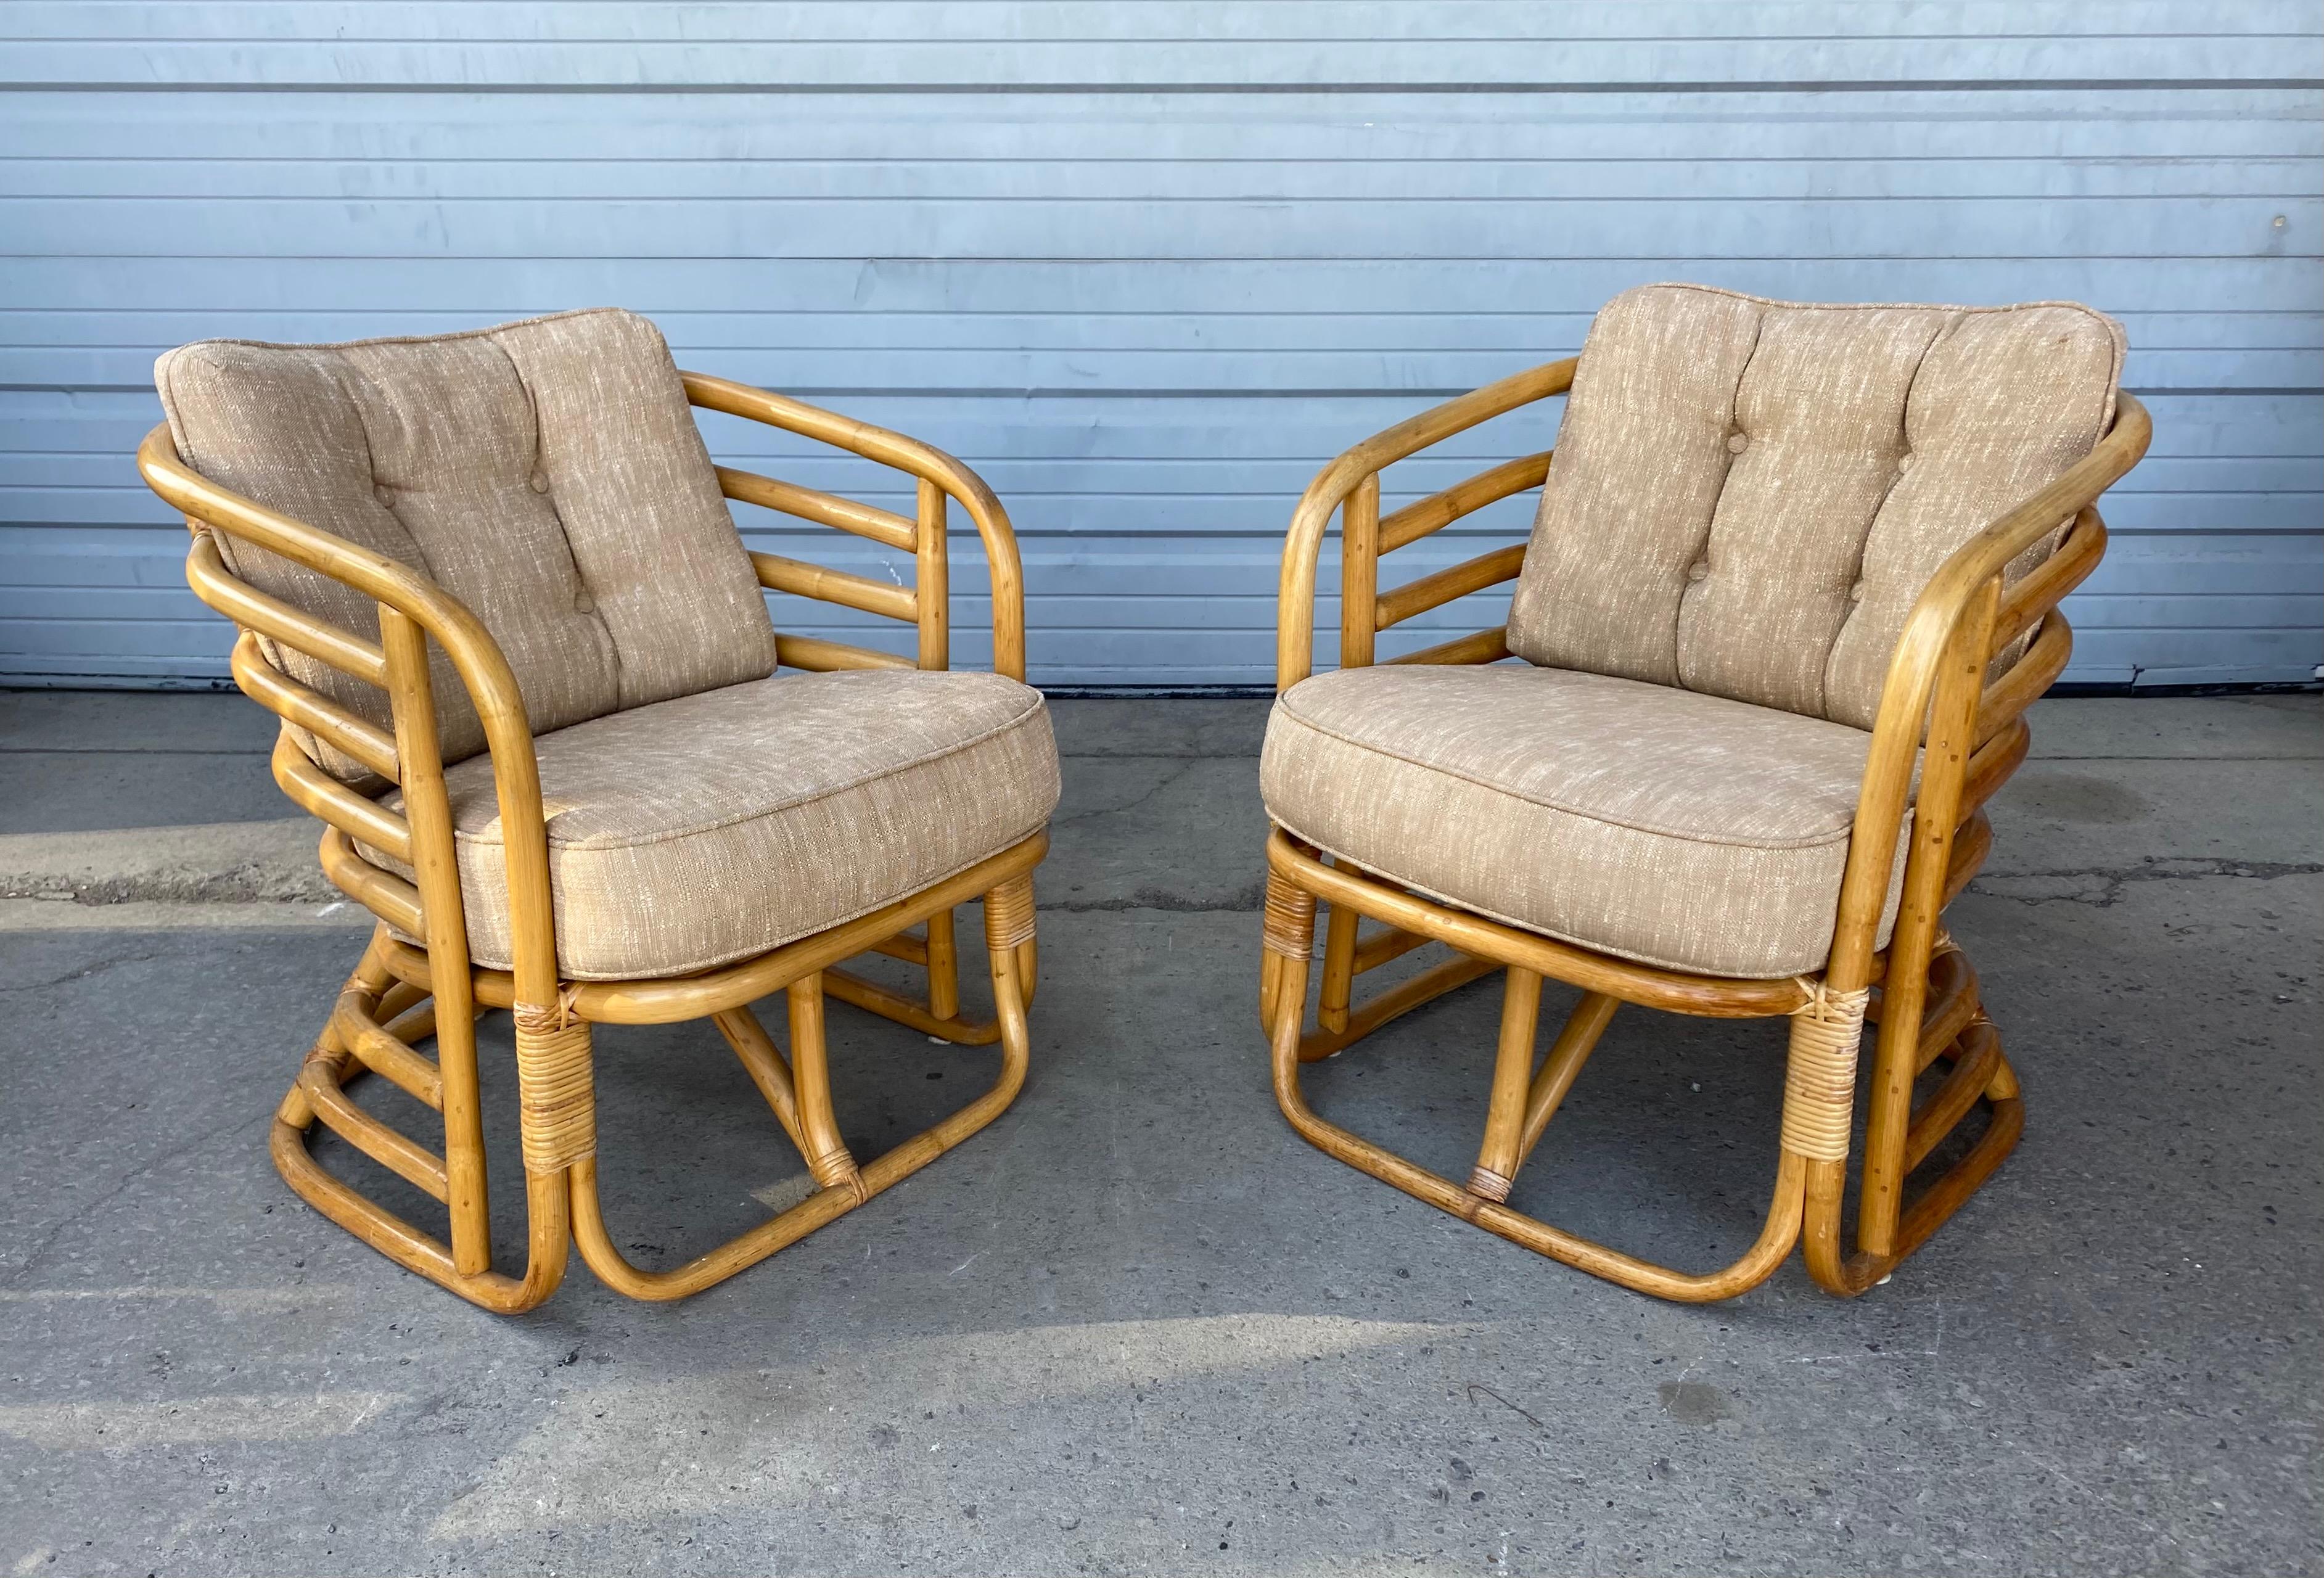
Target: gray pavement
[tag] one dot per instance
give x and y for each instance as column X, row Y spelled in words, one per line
column 1137, row 1325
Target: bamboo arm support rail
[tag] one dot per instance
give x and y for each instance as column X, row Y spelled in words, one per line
column 1931, row 631
column 434, row 615
column 1455, row 581
column 1294, row 654
column 947, row 476
column 1415, row 522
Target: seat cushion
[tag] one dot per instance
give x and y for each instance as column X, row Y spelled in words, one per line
column 547, row 473
column 695, row 832
column 1672, row 829
column 1749, row 495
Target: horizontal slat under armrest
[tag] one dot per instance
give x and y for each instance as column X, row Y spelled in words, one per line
column 824, row 509
column 828, row 585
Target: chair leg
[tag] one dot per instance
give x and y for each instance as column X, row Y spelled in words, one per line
column 1339, row 968
column 373, row 1030
column 944, row 968
column 1290, row 939
column 1505, row 1116
column 803, row 1087
column 1928, row 1015
column 939, row 1017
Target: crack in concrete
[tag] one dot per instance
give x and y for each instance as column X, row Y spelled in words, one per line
column 2103, row 886
column 81, row 974
column 1243, row 903
column 1131, row 804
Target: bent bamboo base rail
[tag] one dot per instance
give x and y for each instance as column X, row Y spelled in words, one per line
column 1524, row 1096
column 388, row 1008
column 402, row 995
column 1948, row 732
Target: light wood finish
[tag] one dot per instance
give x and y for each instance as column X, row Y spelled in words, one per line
column 790, row 575
column 929, row 464
column 1948, row 732
column 1360, row 572
column 1434, row 591
column 1359, row 467
column 1415, row 522
column 409, row 1012
column 1497, row 1158
column 1485, row 646
column 807, row 503
column 310, row 710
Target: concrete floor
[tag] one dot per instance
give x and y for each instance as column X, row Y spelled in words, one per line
column 1137, row 1325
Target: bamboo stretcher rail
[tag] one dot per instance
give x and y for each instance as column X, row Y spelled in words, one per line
column 1387, row 943
column 386, row 1055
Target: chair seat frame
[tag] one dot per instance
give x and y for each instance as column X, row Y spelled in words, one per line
column 401, row 996
column 1949, row 732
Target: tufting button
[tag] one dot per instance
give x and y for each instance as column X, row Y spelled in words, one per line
column 1737, row 443
column 1856, row 593
column 585, row 603
column 382, row 492
column 1903, row 464
column 539, row 482
column 1698, row 570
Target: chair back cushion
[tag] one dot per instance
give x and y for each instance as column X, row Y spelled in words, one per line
column 1748, row 495
column 547, row 473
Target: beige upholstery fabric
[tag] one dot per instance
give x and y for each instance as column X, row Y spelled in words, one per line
column 547, row 473
column 1748, row 495
column 1646, row 821
column 694, row 832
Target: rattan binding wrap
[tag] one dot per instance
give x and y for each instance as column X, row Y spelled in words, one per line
column 1008, row 919
column 1290, row 926
column 1819, row 1089
column 556, row 1094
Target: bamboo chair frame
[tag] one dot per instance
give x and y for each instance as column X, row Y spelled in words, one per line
column 400, row 995
column 1943, row 710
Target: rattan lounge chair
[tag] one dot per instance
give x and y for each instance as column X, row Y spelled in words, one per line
column 528, row 677
column 1793, row 583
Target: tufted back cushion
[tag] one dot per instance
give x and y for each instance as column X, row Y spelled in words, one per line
column 1748, row 495
column 547, row 473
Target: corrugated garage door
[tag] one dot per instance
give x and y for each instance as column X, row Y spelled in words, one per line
column 1147, row 264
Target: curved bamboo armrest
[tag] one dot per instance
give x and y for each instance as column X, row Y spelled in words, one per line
column 1350, row 484
column 940, row 477
column 412, row 611
column 1937, row 693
